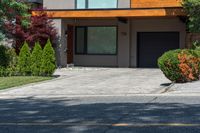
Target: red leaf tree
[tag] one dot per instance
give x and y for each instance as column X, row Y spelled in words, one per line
column 40, row 29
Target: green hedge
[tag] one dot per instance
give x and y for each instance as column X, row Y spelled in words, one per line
column 180, row 65
column 38, row 63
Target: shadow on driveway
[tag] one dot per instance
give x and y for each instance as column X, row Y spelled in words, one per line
column 31, row 115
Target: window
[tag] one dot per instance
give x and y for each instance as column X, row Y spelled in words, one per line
column 95, row 4
column 96, row 40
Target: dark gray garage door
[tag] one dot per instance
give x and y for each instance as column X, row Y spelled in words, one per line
column 151, row 45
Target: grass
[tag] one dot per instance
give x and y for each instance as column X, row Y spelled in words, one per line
column 14, row 81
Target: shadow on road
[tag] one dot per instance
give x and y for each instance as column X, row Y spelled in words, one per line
column 66, row 116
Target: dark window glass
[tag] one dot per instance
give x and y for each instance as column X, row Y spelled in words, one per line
column 96, row 40
column 80, row 39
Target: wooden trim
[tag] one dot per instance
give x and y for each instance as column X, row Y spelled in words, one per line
column 155, row 3
column 157, row 12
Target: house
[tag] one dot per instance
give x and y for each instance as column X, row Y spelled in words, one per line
column 116, row 33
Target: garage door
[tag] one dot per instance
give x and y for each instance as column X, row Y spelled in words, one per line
column 151, row 45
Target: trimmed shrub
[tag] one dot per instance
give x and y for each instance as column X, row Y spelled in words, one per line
column 13, row 58
column 36, row 60
column 3, row 72
column 24, row 62
column 180, row 65
column 48, row 60
column 4, row 57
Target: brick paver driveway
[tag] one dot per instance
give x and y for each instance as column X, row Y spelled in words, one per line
column 96, row 81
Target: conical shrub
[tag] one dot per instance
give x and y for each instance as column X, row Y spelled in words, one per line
column 24, row 60
column 48, row 60
column 36, row 60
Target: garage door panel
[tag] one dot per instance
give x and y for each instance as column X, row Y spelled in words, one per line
column 151, row 45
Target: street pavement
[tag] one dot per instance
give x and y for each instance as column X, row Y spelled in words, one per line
column 102, row 100
column 110, row 114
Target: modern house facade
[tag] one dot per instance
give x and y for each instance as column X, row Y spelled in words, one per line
column 116, row 33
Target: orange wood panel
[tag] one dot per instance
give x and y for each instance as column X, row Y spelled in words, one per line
column 115, row 13
column 155, row 3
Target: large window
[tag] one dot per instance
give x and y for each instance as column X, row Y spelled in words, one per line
column 96, row 40
column 95, row 4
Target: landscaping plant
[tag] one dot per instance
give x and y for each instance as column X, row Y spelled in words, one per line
column 41, row 29
column 9, row 11
column 36, row 60
column 24, row 60
column 180, row 65
column 192, row 8
column 8, row 59
column 4, row 57
column 48, row 60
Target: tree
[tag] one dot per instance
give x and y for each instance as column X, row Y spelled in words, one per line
column 40, row 30
column 24, row 60
column 48, row 60
column 10, row 11
column 192, row 8
column 36, row 60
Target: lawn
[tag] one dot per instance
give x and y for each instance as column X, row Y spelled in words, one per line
column 8, row 82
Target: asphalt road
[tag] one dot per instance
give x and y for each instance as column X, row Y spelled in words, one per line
column 125, row 114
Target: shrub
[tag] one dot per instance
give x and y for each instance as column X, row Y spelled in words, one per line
column 48, row 60
column 4, row 57
column 3, row 72
column 180, row 65
column 36, row 60
column 24, row 62
column 13, row 58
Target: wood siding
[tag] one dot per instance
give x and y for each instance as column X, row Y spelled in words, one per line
column 115, row 13
column 155, row 3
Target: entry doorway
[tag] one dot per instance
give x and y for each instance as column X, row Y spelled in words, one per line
column 70, row 44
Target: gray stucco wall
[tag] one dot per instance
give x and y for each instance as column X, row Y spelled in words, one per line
column 127, row 39
column 59, row 4
column 70, row 4
column 123, row 44
column 124, row 4
column 96, row 60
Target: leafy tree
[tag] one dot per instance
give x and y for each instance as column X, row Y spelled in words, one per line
column 41, row 29
column 192, row 7
column 36, row 60
column 48, row 60
column 12, row 11
column 24, row 60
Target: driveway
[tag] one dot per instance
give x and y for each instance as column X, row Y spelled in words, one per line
column 96, row 81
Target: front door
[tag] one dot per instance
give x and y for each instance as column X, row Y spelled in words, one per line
column 70, row 38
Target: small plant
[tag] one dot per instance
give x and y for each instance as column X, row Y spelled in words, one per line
column 24, row 62
column 48, row 60
column 196, row 45
column 36, row 60
column 180, row 65
column 4, row 57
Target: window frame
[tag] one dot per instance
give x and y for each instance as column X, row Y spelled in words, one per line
column 87, row 6
column 86, row 40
